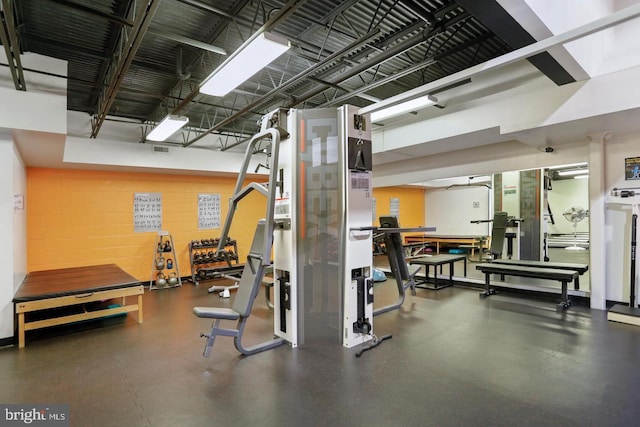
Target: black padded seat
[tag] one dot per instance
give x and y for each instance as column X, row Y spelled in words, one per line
column 248, row 287
column 216, row 313
column 580, row 268
column 562, row 276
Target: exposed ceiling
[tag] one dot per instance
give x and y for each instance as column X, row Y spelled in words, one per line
column 137, row 61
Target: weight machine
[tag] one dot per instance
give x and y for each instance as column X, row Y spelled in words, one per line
column 319, row 186
column 628, row 313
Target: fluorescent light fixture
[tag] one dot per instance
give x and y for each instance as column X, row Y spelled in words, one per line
column 405, row 107
column 573, row 172
column 581, row 177
column 167, row 127
column 263, row 50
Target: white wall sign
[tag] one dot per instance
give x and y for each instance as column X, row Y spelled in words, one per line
column 208, row 211
column 147, row 212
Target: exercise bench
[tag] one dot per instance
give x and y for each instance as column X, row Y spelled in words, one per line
column 248, row 289
column 562, row 276
column 580, row 268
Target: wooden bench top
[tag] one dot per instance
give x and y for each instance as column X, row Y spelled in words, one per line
column 72, row 281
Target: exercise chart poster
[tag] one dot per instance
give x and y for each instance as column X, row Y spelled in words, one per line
column 208, row 211
column 147, row 212
column 632, row 168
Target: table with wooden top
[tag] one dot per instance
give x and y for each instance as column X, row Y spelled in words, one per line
column 470, row 241
column 48, row 289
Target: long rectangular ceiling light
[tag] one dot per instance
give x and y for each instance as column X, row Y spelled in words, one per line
column 405, row 107
column 263, row 50
column 573, row 172
column 167, row 127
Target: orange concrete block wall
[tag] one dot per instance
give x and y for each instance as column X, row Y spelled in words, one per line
column 77, row 218
column 411, row 204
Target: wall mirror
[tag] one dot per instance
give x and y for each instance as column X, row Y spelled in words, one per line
column 548, row 208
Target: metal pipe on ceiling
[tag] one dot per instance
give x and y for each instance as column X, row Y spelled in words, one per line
column 188, row 41
column 142, row 22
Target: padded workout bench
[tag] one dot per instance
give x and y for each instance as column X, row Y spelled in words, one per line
column 65, row 287
column 580, row 268
column 562, row 276
column 436, row 260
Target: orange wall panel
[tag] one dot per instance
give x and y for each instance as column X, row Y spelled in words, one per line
column 77, row 218
column 411, row 204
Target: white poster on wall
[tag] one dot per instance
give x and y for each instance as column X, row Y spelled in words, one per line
column 394, row 207
column 147, row 212
column 208, row 211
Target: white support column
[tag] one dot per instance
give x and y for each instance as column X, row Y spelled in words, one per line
column 597, row 237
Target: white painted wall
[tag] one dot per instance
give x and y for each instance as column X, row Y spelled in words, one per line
column 42, row 107
column 565, row 194
column 19, row 176
column 618, row 217
column 92, row 152
column 8, row 260
column 511, row 200
column 516, row 113
column 451, row 211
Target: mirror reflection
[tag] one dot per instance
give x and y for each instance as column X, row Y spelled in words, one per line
column 535, row 215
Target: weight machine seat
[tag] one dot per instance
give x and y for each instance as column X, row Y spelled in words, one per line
column 248, row 287
column 216, row 313
column 498, row 231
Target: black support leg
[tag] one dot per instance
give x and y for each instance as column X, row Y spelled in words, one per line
column 565, row 303
column 487, row 286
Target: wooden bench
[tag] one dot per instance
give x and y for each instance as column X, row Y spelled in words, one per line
column 562, row 276
column 580, row 268
column 447, row 240
column 43, row 290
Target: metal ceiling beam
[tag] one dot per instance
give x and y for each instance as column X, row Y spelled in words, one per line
column 361, row 54
column 420, row 12
column 385, row 55
column 286, row 11
column 299, row 77
column 9, row 39
column 95, row 12
column 129, row 43
column 427, row 63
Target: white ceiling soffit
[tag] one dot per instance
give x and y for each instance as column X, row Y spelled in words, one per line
column 593, row 27
column 603, row 52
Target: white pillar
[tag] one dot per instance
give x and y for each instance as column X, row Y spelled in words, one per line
column 597, row 242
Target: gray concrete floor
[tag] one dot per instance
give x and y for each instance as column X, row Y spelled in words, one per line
column 454, row 360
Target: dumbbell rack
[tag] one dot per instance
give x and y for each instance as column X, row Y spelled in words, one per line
column 205, row 264
column 160, row 249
